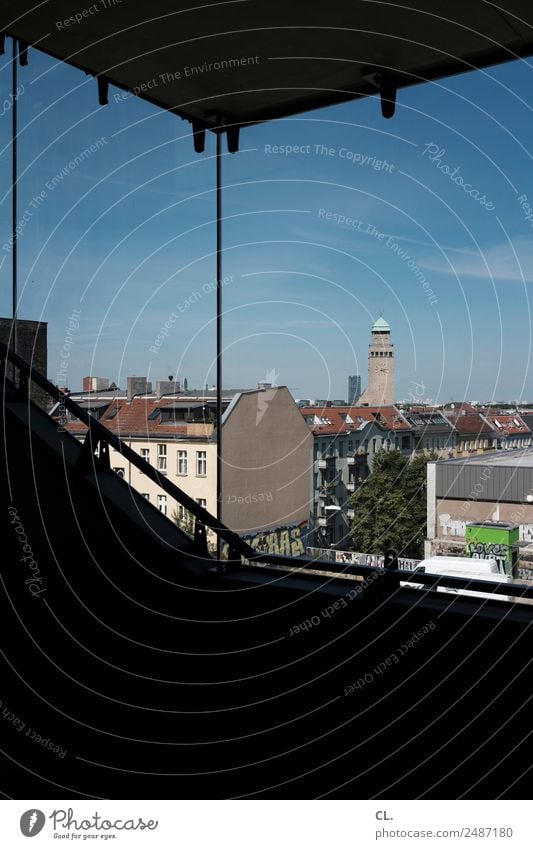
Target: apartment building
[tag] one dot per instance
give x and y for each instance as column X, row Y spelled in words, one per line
column 266, row 450
column 345, row 442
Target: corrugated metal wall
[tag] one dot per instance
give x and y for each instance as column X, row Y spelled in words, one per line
column 484, row 482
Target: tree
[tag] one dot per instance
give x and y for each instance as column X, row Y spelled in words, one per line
column 415, row 493
column 390, row 507
column 184, row 520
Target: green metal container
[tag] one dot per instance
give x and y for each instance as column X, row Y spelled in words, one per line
column 494, row 539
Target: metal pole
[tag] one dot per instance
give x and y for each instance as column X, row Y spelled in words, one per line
column 219, row 334
column 14, row 197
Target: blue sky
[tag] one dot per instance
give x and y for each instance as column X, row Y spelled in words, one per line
column 128, row 236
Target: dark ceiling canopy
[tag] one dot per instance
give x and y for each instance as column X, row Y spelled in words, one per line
column 240, row 61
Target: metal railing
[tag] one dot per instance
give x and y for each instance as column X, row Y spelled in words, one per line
column 384, row 579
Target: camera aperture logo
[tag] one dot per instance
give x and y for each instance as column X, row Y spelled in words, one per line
column 32, row 822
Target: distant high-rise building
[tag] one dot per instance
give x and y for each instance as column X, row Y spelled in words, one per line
column 354, row 388
column 380, row 389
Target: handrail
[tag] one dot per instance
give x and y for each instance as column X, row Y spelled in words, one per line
column 389, row 577
column 97, row 429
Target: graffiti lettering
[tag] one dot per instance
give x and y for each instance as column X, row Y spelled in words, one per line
column 284, row 540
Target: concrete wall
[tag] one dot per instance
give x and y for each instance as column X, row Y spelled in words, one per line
column 267, row 470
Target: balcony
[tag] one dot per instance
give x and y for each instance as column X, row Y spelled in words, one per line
column 321, row 521
column 350, row 461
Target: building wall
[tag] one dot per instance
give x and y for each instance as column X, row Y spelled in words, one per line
column 32, row 346
column 267, row 470
column 195, row 485
column 468, row 444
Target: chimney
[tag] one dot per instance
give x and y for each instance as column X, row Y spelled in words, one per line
column 138, row 386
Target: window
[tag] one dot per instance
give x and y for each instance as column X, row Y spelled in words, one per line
column 405, row 442
column 162, row 459
column 341, row 448
column 350, row 445
column 145, row 454
column 201, row 463
column 202, row 502
column 182, row 462
column 146, row 495
column 162, row 503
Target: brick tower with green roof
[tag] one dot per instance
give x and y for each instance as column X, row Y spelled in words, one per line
column 380, row 389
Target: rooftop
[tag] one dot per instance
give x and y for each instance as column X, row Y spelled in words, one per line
column 336, row 420
column 511, row 459
column 380, row 325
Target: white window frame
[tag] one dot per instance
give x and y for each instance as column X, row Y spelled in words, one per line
column 182, row 462
column 162, row 458
column 162, row 504
column 201, row 462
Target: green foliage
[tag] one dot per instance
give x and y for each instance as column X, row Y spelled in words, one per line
column 185, row 522
column 390, row 507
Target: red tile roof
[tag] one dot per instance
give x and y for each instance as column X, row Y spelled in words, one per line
column 132, row 419
column 334, row 418
column 472, row 423
column 509, row 424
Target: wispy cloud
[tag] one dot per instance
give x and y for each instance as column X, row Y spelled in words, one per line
column 505, row 262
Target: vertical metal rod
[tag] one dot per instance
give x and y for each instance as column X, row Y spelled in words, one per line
column 14, row 198
column 219, row 334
